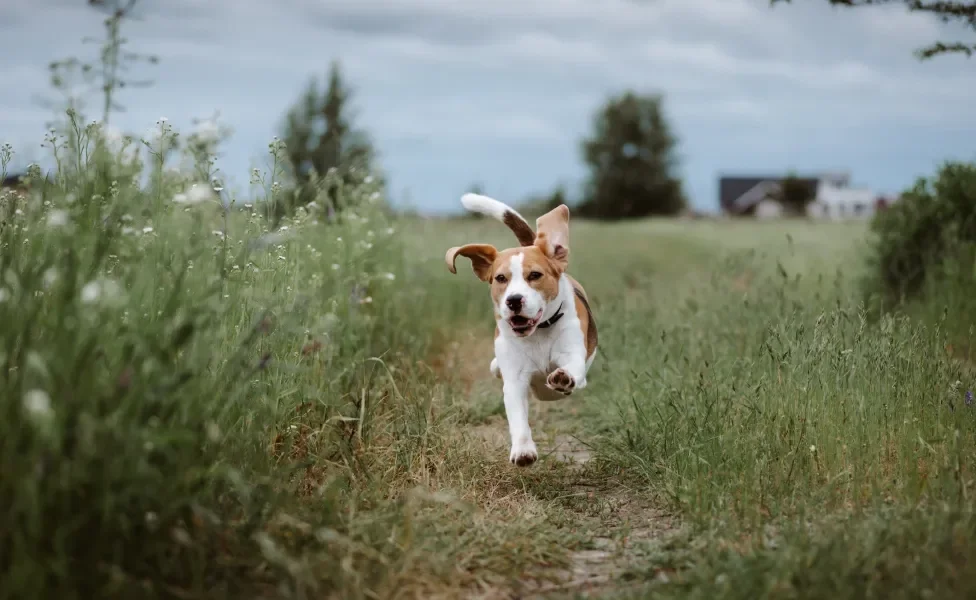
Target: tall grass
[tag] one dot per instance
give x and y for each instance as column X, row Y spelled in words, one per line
column 770, row 411
column 175, row 375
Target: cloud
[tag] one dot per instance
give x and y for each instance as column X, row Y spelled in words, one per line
column 502, row 91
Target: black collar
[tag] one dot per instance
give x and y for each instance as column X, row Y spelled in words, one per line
column 552, row 320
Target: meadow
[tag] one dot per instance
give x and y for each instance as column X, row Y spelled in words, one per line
column 196, row 405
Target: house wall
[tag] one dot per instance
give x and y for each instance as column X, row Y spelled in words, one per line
column 839, row 203
column 769, row 209
column 840, row 211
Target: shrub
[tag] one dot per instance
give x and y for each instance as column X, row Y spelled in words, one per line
column 933, row 221
column 157, row 352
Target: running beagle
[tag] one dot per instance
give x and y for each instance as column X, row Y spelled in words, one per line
column 545, row 335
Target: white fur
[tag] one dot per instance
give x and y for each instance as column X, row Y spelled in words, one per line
column 487, row 206
column 524, row 364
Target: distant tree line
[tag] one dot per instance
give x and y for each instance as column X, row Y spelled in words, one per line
column 630, row 155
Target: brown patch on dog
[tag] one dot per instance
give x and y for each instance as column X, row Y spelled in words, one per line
column 523, row 233
column 553, row 229
column 535, row 260
column 585, row 315
column 482, row 257
column 556, row 253
column 501, row 276
column 587, row 323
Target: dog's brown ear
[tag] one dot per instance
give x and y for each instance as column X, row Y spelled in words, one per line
column 482, row 257
column 552, row 234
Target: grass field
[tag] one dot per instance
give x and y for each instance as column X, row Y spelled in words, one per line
column 194, row 407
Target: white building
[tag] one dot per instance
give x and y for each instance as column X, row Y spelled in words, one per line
column 834, row 202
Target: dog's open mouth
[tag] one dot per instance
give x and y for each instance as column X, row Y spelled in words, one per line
column 523, row 325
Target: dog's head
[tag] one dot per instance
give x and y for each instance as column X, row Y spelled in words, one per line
column 524, row 280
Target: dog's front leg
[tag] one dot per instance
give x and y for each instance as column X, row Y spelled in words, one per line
column 570, row 359
column 516, row 394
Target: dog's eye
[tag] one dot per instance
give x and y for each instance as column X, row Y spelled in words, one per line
column 534, row 275
column 500, row 278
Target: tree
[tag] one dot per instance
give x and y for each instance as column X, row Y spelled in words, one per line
column 794, row 194
column 322, row 142
column 962, row 12
column 631, row 160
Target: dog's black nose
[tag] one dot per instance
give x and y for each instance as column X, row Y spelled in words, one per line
column 514, row 302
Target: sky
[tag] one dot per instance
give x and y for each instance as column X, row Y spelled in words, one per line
column 500, row 93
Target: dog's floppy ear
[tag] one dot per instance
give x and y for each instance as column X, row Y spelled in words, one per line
column 482, row 257
column 552, row 234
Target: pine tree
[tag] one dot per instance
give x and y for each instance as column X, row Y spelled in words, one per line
column 631, row 160
column 320, row 136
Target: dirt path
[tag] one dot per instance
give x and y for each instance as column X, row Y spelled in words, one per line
column 623, row 528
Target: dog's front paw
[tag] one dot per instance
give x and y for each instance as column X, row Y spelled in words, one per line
column 561, row 381
column 523, row 453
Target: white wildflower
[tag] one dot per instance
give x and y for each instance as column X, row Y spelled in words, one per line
column 101, row 290
column 91, row 292
column 389, row 276
column 218, row 233
column 147, row 229
column 207, row 131
column 335, row 266
column 57, row 218
column 49, row 278
column 128, row 230
column 156, row 133
column 198, row 192
column 389, row 231
column 37, row 404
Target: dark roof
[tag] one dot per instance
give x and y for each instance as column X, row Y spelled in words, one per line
column 730, row 188
column 12, row 180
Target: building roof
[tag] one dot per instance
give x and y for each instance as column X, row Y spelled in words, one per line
column 738, row 193
column 12, row 180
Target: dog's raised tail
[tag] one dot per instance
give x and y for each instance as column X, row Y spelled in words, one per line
column 484, row 205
